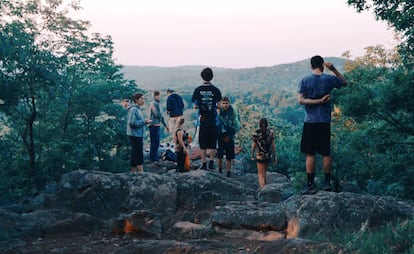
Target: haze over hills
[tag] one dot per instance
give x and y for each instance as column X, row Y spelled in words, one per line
column 184, row 78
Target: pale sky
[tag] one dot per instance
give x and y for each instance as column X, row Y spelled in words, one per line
column 232, row 33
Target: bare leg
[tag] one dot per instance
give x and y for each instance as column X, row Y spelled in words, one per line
column 133, row 169
column 228, row 165
column 327, row 164
column 220, row 163
column 212, row 154
column 261, row 170
column 310, row 163
column 203, row 155
column 140, row 168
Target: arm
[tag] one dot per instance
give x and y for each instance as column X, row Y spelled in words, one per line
column 254, row 145
column 332, row 68
column 306, row 101
column 135, row 119
column 169, row 105
column 164, row 124
column 273, row 148
column 236, row 120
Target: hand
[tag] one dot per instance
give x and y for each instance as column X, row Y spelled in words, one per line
column 252, row 158
column 148, row 121
column 326, row 98
column 330, row 66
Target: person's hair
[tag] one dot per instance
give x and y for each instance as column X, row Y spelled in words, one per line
column 136, row 96
column 263, row 123
column 317, row 62
column 180, row 122
column 156, row 93
column 225, row 98
column 207, row 74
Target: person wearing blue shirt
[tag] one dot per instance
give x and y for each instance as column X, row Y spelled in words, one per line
column 175, row 110
column 136, row 132
column 314, row 92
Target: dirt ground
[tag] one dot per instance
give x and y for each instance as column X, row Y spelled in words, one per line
column 102, row 242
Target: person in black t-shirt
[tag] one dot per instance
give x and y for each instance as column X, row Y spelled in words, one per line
column 205, row 99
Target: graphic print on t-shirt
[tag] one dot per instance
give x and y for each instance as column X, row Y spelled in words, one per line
column 207, row 102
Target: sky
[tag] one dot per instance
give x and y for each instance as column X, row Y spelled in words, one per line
column 232, row 33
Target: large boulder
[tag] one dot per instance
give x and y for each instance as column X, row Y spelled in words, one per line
column 106, row 195
column 330, row 212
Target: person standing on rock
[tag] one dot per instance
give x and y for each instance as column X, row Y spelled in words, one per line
column 314, row 92
column 205, row 99
column 175, row 109
column 154, row 127
column 229, row 125
column 136, row 132
column 264, row 143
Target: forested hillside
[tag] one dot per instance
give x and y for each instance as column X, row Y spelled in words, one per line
column 182, row 78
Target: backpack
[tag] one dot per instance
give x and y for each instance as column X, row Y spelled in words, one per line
column 186, row 136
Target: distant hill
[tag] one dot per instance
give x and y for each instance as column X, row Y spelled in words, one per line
column 184, row 78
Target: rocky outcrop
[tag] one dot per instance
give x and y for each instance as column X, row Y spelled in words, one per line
column 175, row 209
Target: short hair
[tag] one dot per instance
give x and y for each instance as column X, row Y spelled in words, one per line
column 225, row 98
column 207, row 74
column 263, row 123
column 156, row 93
column 136, row 96
column 317, row 62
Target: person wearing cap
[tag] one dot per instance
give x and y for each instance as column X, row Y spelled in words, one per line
column 205, row 99
column 175, row 109
column 314, row 92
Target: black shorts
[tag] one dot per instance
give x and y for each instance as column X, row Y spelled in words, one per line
column 226, row 148
column 137, row 153
column 316, row 138
column 208, row 137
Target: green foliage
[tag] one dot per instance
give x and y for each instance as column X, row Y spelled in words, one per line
column 399, row 15
column 59, row 97
column 392, row 238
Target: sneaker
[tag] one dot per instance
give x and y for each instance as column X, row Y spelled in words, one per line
column 220, row 170
column 228, row 174
column 309, row 189
column 327, row 186
column 211, row 165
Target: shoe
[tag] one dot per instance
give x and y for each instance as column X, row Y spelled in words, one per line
column 228, row 174
column 220, row 170
column 203, row 167
column 211, row 165
column 309, row 189
column 327, row 186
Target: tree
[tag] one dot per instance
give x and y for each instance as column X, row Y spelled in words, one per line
column 58, row 86
column 399, row 15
